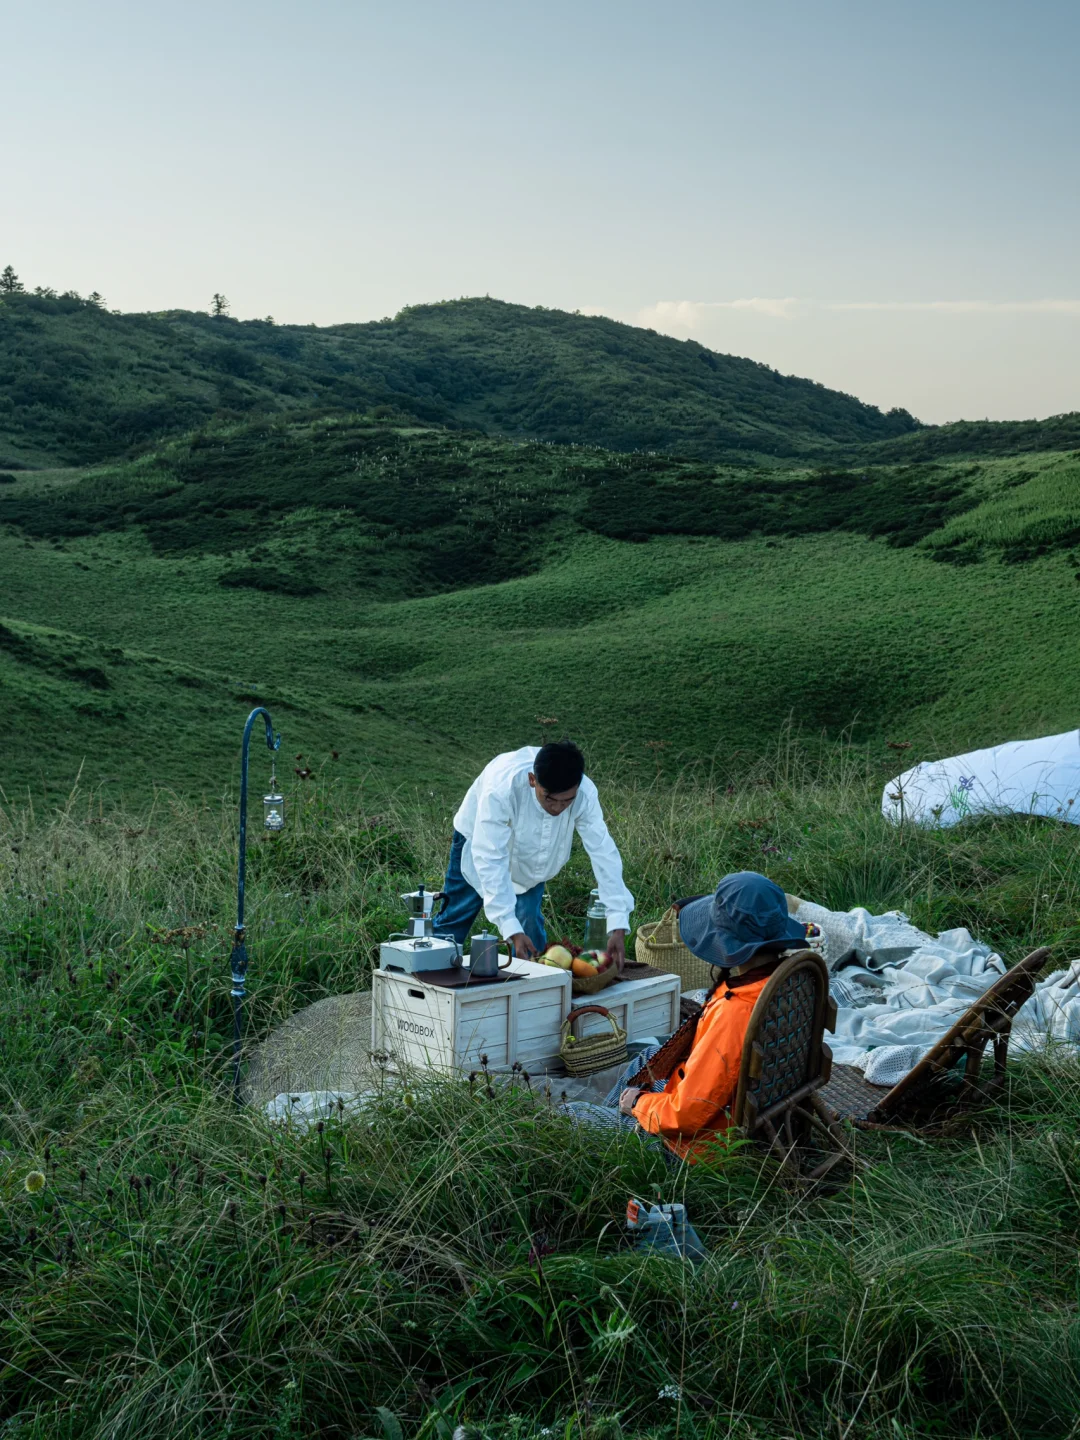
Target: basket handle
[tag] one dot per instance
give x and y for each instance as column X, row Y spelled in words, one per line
column 568, row 1023
column 670, row 918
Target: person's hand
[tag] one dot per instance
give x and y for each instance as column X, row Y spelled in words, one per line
column 627, row 1098
column 524, row 949
column 616, row 948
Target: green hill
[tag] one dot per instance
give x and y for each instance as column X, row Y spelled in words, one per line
column 79, row 383
column 415, row 598
column 978, row 438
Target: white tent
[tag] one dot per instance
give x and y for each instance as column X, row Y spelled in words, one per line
column 1023, row 777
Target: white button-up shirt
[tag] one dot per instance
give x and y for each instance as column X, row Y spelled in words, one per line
column 512, row 843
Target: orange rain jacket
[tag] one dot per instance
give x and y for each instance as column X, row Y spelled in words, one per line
column 695, row 1107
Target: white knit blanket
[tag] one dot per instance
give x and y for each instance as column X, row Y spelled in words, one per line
column 898, row 990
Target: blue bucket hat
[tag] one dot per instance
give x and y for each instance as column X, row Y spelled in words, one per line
column 748, row 913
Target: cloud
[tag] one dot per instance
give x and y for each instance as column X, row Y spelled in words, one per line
column 691, row 315
column 966, row 307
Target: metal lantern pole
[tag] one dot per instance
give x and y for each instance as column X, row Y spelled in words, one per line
column 239, row 957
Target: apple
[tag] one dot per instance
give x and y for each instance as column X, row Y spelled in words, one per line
column 559, row 956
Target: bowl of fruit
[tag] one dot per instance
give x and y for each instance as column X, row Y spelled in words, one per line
column 592, row 970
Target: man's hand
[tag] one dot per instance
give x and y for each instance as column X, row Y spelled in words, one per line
column 616, row 948
column 524, row 949
column 627, row 1098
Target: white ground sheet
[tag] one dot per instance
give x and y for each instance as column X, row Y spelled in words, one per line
column 898, row 990
column 1023, row 777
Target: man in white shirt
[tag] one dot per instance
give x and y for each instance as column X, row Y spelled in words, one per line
column 512, row 834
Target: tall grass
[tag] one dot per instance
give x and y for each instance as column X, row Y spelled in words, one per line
column 455, row 1258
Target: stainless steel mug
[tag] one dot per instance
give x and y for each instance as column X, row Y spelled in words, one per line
column 484, row 956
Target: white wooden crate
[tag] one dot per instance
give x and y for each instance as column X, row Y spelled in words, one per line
column 436, row 1028
column 642, row 1007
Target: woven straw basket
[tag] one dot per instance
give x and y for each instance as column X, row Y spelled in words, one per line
column 585, row 1054
column 658, row 944
column 593, row 984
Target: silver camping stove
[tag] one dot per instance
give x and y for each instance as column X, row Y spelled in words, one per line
column 419, row 948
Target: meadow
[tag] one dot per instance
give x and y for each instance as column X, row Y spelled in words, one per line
column 454, row 1257
column 660, row 611
column 762, row 601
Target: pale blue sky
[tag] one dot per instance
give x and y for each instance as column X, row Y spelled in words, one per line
column 662, row 163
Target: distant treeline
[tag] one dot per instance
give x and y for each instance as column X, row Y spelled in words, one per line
column 981, row 437
column 80, row 383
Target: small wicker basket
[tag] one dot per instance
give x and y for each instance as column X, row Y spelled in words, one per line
column 593, row 984
column 585, row 1054
column 658, row 944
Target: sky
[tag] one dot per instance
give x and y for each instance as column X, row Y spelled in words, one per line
column 882, row 197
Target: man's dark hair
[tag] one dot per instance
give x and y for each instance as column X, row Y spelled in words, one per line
column 559, row 766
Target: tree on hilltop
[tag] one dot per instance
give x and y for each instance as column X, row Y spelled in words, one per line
column 10, row 284
column 219, row 305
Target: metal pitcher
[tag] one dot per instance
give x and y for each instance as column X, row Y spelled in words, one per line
column 484, row 956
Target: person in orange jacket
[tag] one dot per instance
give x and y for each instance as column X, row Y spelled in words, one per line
column 743, row 930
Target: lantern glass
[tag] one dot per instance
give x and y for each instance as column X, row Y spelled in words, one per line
column 273, row 811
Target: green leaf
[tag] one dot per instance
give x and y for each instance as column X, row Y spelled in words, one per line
column 391, row 1425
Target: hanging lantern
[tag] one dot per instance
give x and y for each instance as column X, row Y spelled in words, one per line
column 273, row 809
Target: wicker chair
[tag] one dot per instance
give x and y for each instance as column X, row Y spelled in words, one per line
column 785, row 1063
column 938, row 1088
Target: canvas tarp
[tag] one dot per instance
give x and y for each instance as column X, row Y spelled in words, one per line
column 1023, row 777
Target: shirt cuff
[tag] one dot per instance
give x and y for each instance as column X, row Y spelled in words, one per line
column 506, row 925
column 618, row 920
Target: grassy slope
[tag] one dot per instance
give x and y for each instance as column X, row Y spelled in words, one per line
column 933, row 1293
column 78, row 383
column 259, row 1284
column 696, row 644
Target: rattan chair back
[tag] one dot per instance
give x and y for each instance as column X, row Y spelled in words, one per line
column 784, row 1057
column 785, row 1062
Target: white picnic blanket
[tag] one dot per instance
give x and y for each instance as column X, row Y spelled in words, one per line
column 1023, row 777
column 898, row 990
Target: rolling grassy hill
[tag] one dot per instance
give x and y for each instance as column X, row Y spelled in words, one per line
column 416, row 598
column 79, row 383
column 409, row 598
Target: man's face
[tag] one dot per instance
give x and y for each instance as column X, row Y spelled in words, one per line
column 554, row 802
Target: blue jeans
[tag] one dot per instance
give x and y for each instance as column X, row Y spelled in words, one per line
column 462, row 904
